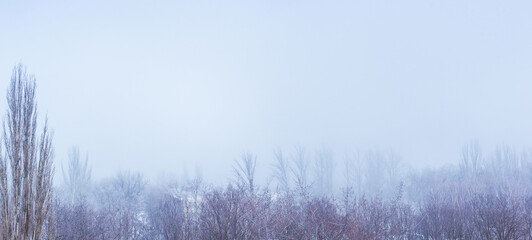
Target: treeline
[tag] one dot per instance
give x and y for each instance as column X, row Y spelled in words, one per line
column 467, row 201
column 484, row 196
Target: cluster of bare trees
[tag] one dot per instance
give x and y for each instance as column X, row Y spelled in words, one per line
column 476, row 216
column 112, row 210
column 315, row 172
column 487, row 196
column 446, row 203
column 235, row 213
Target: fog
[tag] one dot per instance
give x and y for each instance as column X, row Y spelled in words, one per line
column 172, row 87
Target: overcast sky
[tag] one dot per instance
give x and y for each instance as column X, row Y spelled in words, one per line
column 154, row 86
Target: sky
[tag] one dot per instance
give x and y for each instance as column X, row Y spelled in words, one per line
column 167, row 87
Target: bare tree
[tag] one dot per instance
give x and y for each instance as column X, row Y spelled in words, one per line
column 471, row 159
column 504, row 161
column 393, row 169
column 120, row 207
column 77, row 177
column 354, row 172
column 323, row 170
column 375, row 164
column 168, row 217
column 299, row 169
column 245, row 170
column 235, row 214
column 26, row 169
column 280, row 171
column 497, row 216
column 75, row 221
column 442, row 218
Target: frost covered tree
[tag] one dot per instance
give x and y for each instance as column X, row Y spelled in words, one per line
column 120, row 207
column 26, row 170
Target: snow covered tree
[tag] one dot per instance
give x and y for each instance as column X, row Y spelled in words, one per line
column 26, row 170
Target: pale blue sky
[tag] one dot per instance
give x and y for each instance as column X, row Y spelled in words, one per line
column 153, row 86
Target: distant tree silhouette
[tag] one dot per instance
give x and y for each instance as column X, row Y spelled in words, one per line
column 77, row 177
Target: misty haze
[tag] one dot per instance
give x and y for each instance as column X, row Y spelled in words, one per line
column 266, row 119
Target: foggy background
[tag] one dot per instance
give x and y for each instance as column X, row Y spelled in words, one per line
column 160, row 87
